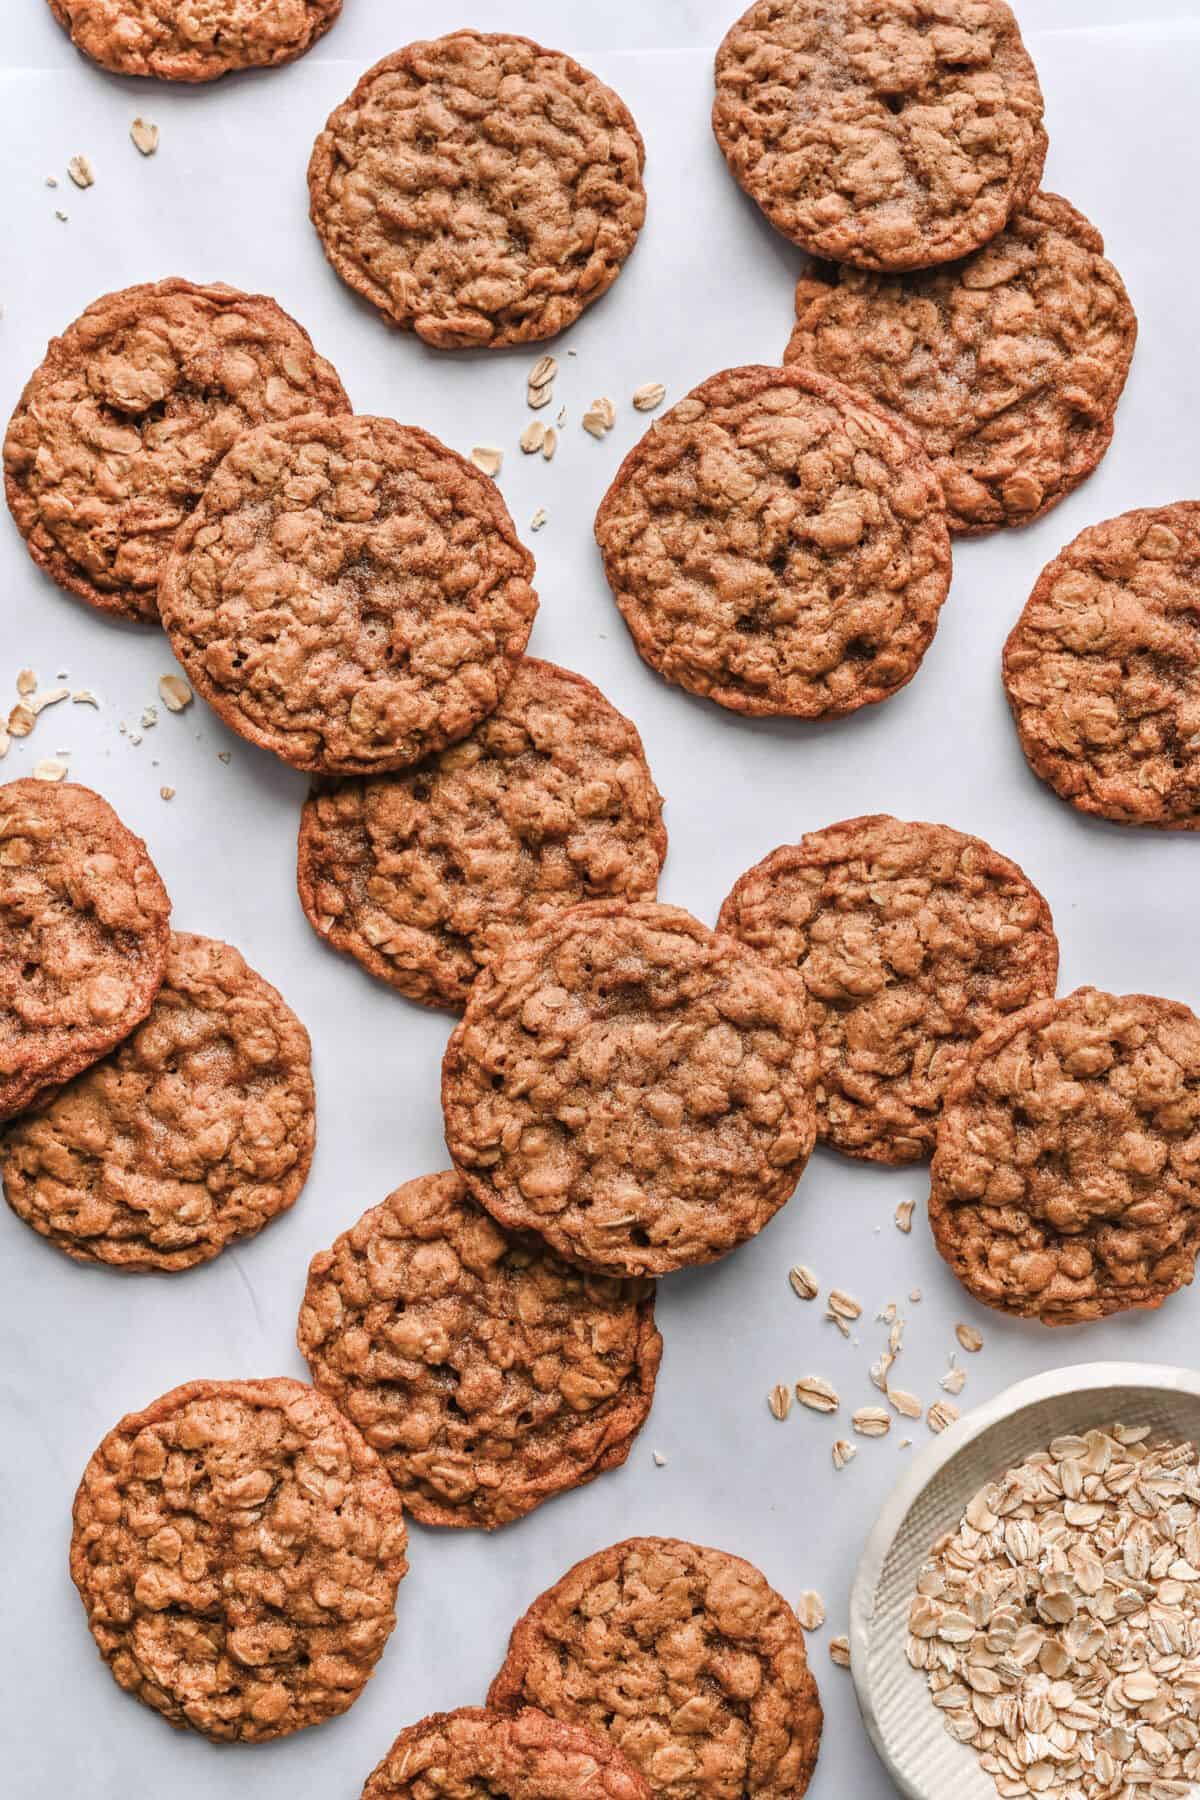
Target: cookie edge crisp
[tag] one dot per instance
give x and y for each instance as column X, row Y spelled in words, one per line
column 198, row 69
column 443, row 996
column 324, row 159
column 786, row 859
column 555, row 1735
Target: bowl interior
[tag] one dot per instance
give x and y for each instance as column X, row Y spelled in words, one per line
column 907, row 1730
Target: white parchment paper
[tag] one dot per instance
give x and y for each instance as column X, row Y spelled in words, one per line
column 709, row 286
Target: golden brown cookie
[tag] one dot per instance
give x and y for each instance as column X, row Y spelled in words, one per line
column 197, row 1130
column 423, row 876
column 488, row 1374
column 778, row 544
column 349, row 593
column 1008, row 365
column 237, row 1548
column 522, row 1756
column 1102, row 669
column 478, row 189
column 1066, row 1182
column 888, row 137
column 83, row 935
column 635, row 1088
column 193, row 40
column 911, row 940
column 121, row 425
column 687, row 1658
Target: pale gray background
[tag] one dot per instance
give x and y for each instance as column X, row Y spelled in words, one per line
column 709, row 286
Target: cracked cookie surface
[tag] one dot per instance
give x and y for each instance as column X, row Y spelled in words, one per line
column 423, row 876
column 193, row 40
column 474, row 1754
column 911, row 940
column 632, row 1086
column 885, row 137
column 237, row 1548
column 349, row 593
column 487, row 1373
column 687, row 1658
column 197, row 1130
column 83, row 935
column 1008, row 365
column 1066, row 1180
column 127, row 416
column 1102, row 669
column 778, row 544
column 478, row 189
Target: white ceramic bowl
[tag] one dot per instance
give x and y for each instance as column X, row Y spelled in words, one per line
column 906, row 1729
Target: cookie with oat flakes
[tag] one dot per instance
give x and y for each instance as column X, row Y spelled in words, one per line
column 129, row 413
column 889, row 137
column 424, row 875
column 196, row 1131
column 190, row 42
column 1102, row 669
column 237, row 1548
column 633, row 1087
column 487, row 1373
column 1007, row 365
column 523, row 1756
column 1065, row 1183
column 478, row 189
column 686, row 1657
column 84, row 935
column 349, row 593
column 911, row 940
column 777, row 543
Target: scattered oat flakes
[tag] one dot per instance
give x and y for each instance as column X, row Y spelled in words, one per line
column 62, row 217
column 224, row 755
column 149, row 718
column 48, row 697
column 818, row 1394
column 896, row 1337
column 135, row 737
column 904, row 1215
column 562, row 417
column 49, row 769
column 915, row 1296
column 888, row 1314
column 906, row 1443
column 780, row 1400
column 968, row 1337
column 550, row 444
column 871, row 1421
column 538, row 519
column 144, row 135
column 879, row 1371
column 839, row 1651
column 26, row 682
column 167, row 793
column 954, row 1381
column 804, row 1282
column 52, row 181
column 650, row 395
column 20, row 720
column 5, row 741
column 81, row 171
column 843, row 1453
column 600, row 417
column 660, row 1461
column 810, row 1610
column 533, row 437
column 843, row 1305
column 174, row 692
column 906, row 1404
column 487, row 459
column 941, row 1414
column 84, row 697
column 539, row 387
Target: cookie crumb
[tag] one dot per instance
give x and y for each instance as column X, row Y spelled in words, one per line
column 815, row 1392
column 810, row 1610
column 904, row 1215
column 81, row 172
column 915, row 1296
column 660, row 1461
column 49, row 769
column 224, row 755
column 780, row 1400
column 968, row 1337
column 839, row 1652
column 649, row 396
column 487, row 459
column 149, row 718
column 144, row 135
column 804, row 1282
column 52, row 181
column 166, row 793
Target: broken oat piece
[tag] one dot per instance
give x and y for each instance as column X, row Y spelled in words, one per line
column 81, row 172
column 144, row 135
column 174, row 692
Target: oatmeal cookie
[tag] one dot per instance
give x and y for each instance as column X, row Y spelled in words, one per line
column 488, row 1374
column 1007, row 365
column 911, row 940
column 197, row 1130
column 690, row 1662
column 349, row 593
column 632, row 1086
column 478, row 190
column 1066, row 1182
column 193, row 40
column 888, row 137
column 132, row 408
column 519, row 1756
column 1102, row 669
column 237, row 1548
column 779, row 545
column 83, row 935
column 425, row 875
